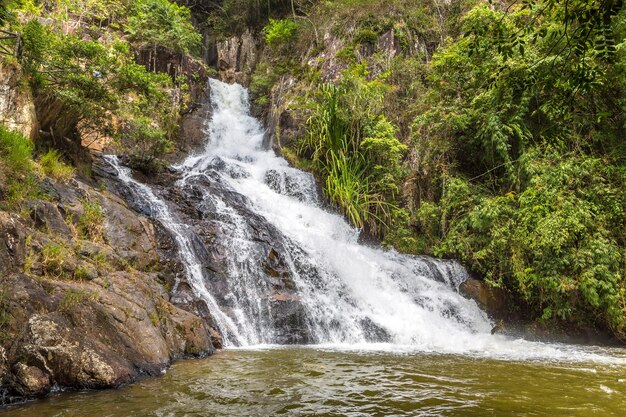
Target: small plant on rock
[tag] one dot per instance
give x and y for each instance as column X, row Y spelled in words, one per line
column 91, row 222
column 55, row 168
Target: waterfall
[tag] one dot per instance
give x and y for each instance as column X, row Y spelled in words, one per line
column 321, row 286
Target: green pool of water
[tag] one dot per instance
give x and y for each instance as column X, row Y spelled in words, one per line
column 318, row 382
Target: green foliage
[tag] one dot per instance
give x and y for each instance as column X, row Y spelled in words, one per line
column 348, row 186
column 55, row 168
column 54, row 257
column 355, row 150
column 15, row 152
column 280, row 32
column 263, row 79
column 92, row 83
column 91, row 221
column 148, row 139
column 161, row 22
column 384, row 154
column 91, row 80
column 17, row 179
column 366, row 36
column 81, row 273
column 558, row 244
column 532, row 117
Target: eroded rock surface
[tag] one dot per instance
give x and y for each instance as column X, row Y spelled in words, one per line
column 85, row 308
column 17, row 108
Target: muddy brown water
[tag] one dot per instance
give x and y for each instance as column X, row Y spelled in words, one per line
column 322, row 382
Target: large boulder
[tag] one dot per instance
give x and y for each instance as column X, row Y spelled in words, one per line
column 79, row 313
column 494, row 301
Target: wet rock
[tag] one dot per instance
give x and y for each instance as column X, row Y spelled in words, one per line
column 290, row 320
column 373, row 332
column 30, row 381
column 494, row 301
column 12, row 244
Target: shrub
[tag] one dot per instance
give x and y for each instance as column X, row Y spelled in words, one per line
column 17, row 181
column 53, row 166
column 280, row 32
column 355, row 150
column 91, row 221
column 53, row 259
column 15, row 151
column 366, row 36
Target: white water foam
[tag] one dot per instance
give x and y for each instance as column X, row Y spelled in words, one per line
column 353, row 287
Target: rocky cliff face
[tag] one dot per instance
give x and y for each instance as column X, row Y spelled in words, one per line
column 87, row 310
column 17, row 108
column 237, row 57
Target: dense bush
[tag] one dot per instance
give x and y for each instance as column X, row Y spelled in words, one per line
column 54, row 167
column 93, row 80
column 558, row 243
column 280, row 32
column 161, row 22
column 519, row 138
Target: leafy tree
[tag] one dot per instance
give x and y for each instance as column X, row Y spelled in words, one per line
column 164, row 23
column 280, row 32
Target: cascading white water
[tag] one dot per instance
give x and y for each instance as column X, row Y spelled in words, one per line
column 193, row 268
column 353, row 295
column 354, row 287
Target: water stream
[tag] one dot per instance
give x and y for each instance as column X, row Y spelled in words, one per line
column 319, row 382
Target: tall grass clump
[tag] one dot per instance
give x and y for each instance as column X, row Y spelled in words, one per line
column 16, row 167
column 354, row 149
column 54, row 167
column 91, row 221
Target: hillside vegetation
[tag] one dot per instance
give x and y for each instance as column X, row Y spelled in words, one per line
column 80, row 59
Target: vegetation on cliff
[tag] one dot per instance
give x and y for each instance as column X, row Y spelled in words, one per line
column 488, row 132
column 81, row 59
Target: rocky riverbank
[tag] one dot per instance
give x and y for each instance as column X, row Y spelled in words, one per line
column 87, row 309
